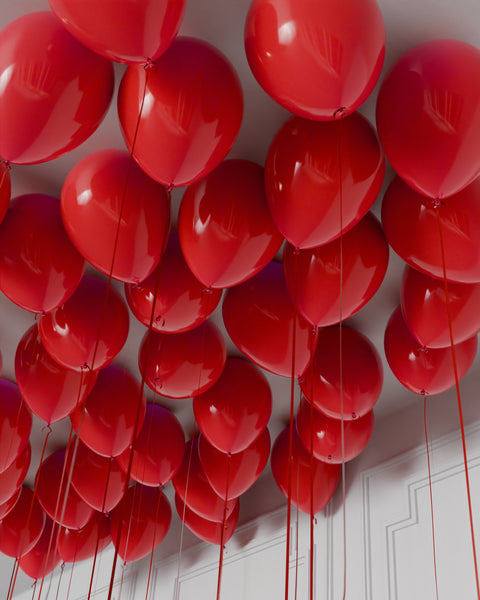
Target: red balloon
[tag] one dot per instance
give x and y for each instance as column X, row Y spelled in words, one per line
column 8, row 505
column 158, row 450
column 208, row 531
column 424, row 370
column 132, row 33
column 18, row 532
column 358, row 263
column 184, row 364
column 236, row 409
column 428, row 119
column 43, row 558
column 410, row 222
column 316, row 58
column 98, row 480
column 361, row 367
column 140, row 522
column 116, row 216
column 315, row 170
column 327, row 434
column 194, row 104
column 15, row 424
column 258, row 316
column 91, row 326
column 225, row 227
column 243, row 468
column 113, row 413
column 304, row 469
column 192, row 486
column 75, row 545
column 181, row 301
column 55, row 91
column 12, row 478
column 57, row 498
column 5, row 189
column 39, row 266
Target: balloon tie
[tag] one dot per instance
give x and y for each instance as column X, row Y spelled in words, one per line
column 150, row 65
column 296, row 251
column 159, row 319
column 47, row 428
column 170, row 188
column 7, row 164
column 339, row 113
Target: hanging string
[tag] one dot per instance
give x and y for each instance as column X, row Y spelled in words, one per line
column 34, row 586
column 153, row 543
column 12, row 577
column 312, row 515
column 296, row 533
column 222, row 537
column 124, row 566
column 70, row 580
column 62, row 568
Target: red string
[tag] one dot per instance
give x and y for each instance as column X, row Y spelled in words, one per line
column 222, row 538
column 312, row 514
column 12, row 577
column 431, row 491
column 62, row 568
column 153, row 544
column 297, row 529
column 71, row 576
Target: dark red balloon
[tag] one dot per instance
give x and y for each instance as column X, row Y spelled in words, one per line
column 259, row 316
column 181, row 301
column 5, row 189
column 55, row 91
column 90, row 329
column 8, row 505
column 75, row 545
column 226, row 230
column 428, row 118
column 12, row 478
column 43, row 558
column 424, row 370
column 18, row 532
column 184, row 364
column 304, row 469
column 316, row 173
column 15, row 424
column 195, row 107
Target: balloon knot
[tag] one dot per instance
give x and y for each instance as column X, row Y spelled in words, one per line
column 296, row 251
column 149, row 65
column 340, row 113
column 160, row 319
column 85, row 367
column 329, row 457
column 208, row 290
column 47, row 428
column 423, row 349
column 170, row 188
column 300, row 379
column 158, row 382
column 354, row 415
column 229, row 454
column 7, row 164
column 423, row 393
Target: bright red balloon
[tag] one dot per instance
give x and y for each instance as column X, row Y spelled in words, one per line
column 225, row 227
column 108, row 204
column 55, row 91
column 140, row 522
column 236, row 409
column 208, row 531
column 131, row 33
column 75, row 545
column 243, row 468
column 39, row 266
column 5, row 189
column 315, row 170
column 410, row 222
column 12, row 478
column 184, row 364
column 193, row 103
column 181, row 301
column 428, row 118
column 424, row 370
column 15, row 424
column 361, row 367
column 8, row 505
column 259, row 315
column 304, row 468
column 358, row 263
column 18, row 532
column 43, row 558
column 113, row 413
column 327, row 434
column 316, row 58
column 91, row 326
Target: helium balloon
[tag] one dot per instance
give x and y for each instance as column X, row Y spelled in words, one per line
column 15, row 424
column 5, row 189
column 55, row 91
column 75, row 545
column 22, row 527
column 317, row 172
column 194, row 105
column 43, row 558
column 8, row 505
column 12, row 478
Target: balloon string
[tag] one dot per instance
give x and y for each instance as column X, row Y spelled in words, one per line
column 12, row 576
column 62, row 568
column 71, row 577
column 34, row 586
column 222, row 537
column 459, row 400
column 296, row 533
column 121, row 580
column 312, row 515
column 153, row 544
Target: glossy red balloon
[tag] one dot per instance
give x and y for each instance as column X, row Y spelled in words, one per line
column 98, row 480
column 350, row 372
column 191, row 484
column 259, row 315
column 181, row 301
column 140, row 522
column 5, row 189
column 428, row 118
column 184, row 364
column 424, row 370
column 225, row 227
column 136, row 31
column 304, row 468
column 410, row 222
column 15, row 424
column 8, row 505
column 43, row 558
column 315, row 58
column 327, row 434
column 194, row 104
column 243, row 468
column 39, row 266
column 75, row 545
column 18, row 532
column 12, row 478
column 55, row 91
column 89, row 330
column 113, row 413
column 315, row 170
column 208, row 531
column 358, row 263
column 236, row 409
column 116, row 216
column 158, row 450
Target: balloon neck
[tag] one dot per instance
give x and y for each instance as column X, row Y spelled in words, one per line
column 170, row 188
column 339, row 113
column 354, row 415
column 296, row 251
column 434, row 202
column 6, row 163
column 423, row 393
column 85, row 367
column 159, row 319
column 150, row 65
